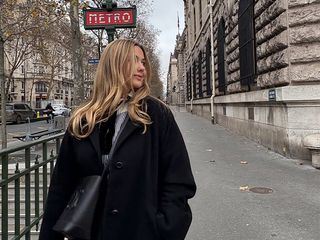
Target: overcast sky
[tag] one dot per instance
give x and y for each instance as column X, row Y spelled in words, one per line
column 165, row 18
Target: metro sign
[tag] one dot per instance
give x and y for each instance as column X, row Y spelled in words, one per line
column 116, row 18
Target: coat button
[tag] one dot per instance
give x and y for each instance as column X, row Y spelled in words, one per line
column 119, row 165
column 114, row 211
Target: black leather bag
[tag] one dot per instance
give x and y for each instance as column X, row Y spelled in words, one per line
column 76, row 220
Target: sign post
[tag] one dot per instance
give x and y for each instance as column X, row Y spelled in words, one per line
column 110, row 17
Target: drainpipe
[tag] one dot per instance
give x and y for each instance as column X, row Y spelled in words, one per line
column 213, row 120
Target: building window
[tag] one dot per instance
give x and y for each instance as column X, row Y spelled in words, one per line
column 41, row 69
column 194, row 78
column 12, row 86
column 194, row 23
column 41, row 87
column 200, row 93
column 247, row 47
column 200, row 12
column 208, row 68
column 189, row 84
column 221, row 57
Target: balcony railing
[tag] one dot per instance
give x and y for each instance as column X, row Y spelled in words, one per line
column 25, row 174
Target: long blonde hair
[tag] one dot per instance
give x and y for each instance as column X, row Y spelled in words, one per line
column 111, row 87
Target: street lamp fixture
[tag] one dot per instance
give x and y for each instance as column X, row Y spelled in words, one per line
column 109, row 5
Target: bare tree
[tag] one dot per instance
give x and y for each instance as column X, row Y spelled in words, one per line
column 17, row 51
column 144, row 10
column 143, row 33
column 89, row 52
column 2, row 85
column 9, row 29
column 76, row 52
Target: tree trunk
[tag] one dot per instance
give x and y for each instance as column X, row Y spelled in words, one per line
column 31, row 93
column 51, row 84
column 3, row 95
column 8, row 83
column 78, row 80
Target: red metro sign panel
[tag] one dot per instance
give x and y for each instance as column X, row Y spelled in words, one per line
column 117, row 18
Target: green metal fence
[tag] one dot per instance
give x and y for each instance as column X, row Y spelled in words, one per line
column 25, row 173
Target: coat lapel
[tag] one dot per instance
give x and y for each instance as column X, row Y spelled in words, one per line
column 95, row 140
column 129, row 128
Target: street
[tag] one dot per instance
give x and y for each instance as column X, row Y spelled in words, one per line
column 226, row 166
column 21, row 129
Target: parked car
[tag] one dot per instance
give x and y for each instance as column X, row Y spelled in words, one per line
column 61, row 109
column 19, row 112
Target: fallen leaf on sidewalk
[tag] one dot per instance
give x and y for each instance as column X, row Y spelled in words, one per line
column 243, row 162
column 299, row 163
column 244, row 188
column 209, row 150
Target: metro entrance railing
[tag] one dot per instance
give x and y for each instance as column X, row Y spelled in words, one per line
column 25, row 173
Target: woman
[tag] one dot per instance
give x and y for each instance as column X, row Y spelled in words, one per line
column 149, row 178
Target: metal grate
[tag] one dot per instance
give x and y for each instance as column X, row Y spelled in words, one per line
column 251, row 113
column 24, row 184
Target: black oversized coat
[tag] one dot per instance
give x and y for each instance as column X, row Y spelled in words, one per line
column 149, row 184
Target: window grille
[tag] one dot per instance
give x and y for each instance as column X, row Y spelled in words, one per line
column 189, row 84
column 247, row 43
column 208, row 68
column 194, row 23
column 194, row 78
column 200, row 92
column 221, row 56
column 200, row 13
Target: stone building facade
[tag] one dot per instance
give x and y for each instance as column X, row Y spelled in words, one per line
column 172, row 81
column 265, row 56
column 176, row 90
column 30, row 84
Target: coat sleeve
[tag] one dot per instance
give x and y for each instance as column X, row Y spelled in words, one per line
column 176, row 183
column 62, row 184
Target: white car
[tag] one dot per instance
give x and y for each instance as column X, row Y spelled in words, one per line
column 61, row 109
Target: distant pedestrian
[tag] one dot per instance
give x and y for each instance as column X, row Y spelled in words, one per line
column 49, row 112
column 144, row 195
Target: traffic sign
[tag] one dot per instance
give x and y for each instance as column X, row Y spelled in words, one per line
column 93, row 61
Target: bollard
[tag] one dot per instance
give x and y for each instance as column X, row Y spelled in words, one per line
column 28, row 131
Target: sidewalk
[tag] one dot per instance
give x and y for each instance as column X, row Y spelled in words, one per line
column 226, row 166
